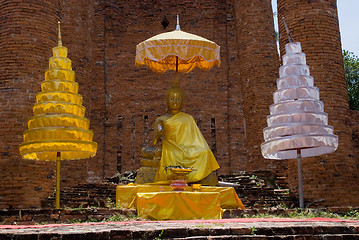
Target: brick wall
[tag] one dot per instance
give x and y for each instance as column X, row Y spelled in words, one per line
column 328, row 179
column 122, row 101
column 355, row 130
column 136, row 95
column 83, row 35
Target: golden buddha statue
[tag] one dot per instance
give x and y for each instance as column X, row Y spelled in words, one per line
column 182, row 143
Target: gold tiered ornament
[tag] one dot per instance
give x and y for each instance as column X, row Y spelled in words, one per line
column 58, row 131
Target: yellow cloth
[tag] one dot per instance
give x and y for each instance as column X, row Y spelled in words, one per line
column 183, row 145
column 179, row 205
column 159, row 52
column 126, row 195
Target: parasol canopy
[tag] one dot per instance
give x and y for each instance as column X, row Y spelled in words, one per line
column 178, row 51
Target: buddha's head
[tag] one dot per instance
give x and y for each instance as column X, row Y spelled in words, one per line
column 174, row 99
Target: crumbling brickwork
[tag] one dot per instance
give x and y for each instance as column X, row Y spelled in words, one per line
column 229, row 103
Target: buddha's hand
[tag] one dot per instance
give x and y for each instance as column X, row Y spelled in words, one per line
column 160, row 126
column 158, row 152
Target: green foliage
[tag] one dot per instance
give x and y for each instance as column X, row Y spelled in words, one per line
column 114, row 218
column 75, row 220
column 351, row 68
column 159, row 235
column 109, row 203
column 209, row 225
column 253, row 230
column 42, row 223
column 351, row 214
column 121, row 218
column 283, row 205
column 253, row 177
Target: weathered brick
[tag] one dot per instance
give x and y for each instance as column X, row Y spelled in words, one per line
column 229, row 103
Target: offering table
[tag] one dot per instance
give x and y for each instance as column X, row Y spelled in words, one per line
column 161, row 203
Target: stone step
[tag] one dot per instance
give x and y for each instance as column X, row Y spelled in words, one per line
column 105, row 235
column 295, row 230
column 282, row 237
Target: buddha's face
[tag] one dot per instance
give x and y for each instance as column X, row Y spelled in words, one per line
column 174, row 100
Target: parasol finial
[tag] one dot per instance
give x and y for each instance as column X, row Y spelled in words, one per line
column 287, row 30
column 178, row 25
column 59, row 36
column 175, row 81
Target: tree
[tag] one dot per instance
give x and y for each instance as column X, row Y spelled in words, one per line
column 351, row 67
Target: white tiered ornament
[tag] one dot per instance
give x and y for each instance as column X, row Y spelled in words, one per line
column 297, row 119
column 297, row 124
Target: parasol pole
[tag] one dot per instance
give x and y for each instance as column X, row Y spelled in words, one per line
column 58, row 154
column 176, row 64
column 58, row 168
column 178, row 27
column 59, row 33
column 299, row 153
column 300, row 178
column 176, row 74
column 175, row 82
column 287, row 30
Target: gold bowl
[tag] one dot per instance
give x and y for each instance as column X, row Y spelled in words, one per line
column 180, row 183
column 181, row 171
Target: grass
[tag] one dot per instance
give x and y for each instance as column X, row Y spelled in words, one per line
column 284, row 212
column 306, row 213
column 113, row 218
column 209, row 225
column 351, row 214
column 122, row 218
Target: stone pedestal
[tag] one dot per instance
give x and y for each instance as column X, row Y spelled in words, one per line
column 150, row 162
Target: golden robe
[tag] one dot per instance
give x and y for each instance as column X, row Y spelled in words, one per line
column 184, row 145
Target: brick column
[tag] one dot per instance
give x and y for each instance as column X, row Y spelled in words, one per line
column 258, row 66
column 27, row 34
column 329, row 179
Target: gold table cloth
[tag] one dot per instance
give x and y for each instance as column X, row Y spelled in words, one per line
column 179, row 205
column 126, row 195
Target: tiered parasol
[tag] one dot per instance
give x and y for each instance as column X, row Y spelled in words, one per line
column 297, row 124
column 58, row 131
column 178, row 51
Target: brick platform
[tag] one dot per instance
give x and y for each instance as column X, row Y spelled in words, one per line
column 196, row 229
